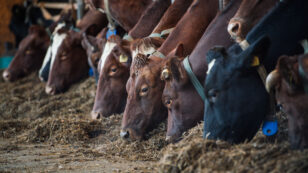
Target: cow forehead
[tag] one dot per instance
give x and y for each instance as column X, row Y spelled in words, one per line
column 107, row 50
column 144, row 50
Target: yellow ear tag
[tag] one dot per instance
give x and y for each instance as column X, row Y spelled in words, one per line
column 255, row 61
column 123, row 58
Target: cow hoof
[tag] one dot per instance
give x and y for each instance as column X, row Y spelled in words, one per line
column 124, row 134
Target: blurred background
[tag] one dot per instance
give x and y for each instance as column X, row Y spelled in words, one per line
column 17, row 15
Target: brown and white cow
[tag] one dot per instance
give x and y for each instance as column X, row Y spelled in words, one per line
column 290, row 82
column 144, row 108
column 66, row 65
column 31, row 51
column 248, row 15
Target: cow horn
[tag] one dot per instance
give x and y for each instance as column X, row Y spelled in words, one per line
column 271, row 80
column 165, row 74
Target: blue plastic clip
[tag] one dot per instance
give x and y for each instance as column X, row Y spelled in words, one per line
column 91, row 72
column 110, row 33
column 270, row 128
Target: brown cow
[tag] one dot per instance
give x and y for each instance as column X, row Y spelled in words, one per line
column 126, row 12
column 144, row 109
column 30, row 54
column 247, row 16
column 113, row 69
column 113, row 54
column 68, row 67
column 289, row 80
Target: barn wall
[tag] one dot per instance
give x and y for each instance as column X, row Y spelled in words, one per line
column 5, row 16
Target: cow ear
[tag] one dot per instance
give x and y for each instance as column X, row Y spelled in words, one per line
column 102, row 34
column 178, row 72
column 254, row 54
column 216, row 52
column 179, row 50
column 287, row 70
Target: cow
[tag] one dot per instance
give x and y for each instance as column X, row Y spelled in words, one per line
column 32, row 49
column 233, row 80
column 289, row 82
column 113, row 70
column 117, row 56
column 179, row 94
column 125, row 13
column 144, row 108
column 67, row 67
column 30, row 54
column 247, row 16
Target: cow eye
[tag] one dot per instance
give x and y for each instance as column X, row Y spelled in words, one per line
column 168, row 103
column 144, row 90
column 28, row 52
column 212, row 95
column 114, row 69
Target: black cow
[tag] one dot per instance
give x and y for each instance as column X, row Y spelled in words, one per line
column 236, row 100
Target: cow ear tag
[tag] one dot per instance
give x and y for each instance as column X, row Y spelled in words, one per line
column 255, row 61
column 123, row 58
column 91, row 73
column 110, row 33
column 270, row 128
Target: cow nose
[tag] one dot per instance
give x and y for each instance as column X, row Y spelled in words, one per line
column 96, row 115
column 234, row 28
column 50, row 90
column 6, row 75
column 168, row 139
column 124, row 134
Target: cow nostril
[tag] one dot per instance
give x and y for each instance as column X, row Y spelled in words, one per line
column 96, row 115
column 168, row 139
column 234, row 28
column 6, row 75
column 124, row 134
column 50, row 90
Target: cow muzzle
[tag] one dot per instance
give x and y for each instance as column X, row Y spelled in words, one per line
column 50, row 90
column 6, row 75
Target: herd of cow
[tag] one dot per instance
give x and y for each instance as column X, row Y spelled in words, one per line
column 181, row 60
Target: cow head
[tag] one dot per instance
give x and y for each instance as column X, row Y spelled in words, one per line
column 144, row 109
column 30, row 54
column 113, row 68
column 247, row 16
column 179, row 97
column 236, row 100
column 69, row 61
column 289, row 81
